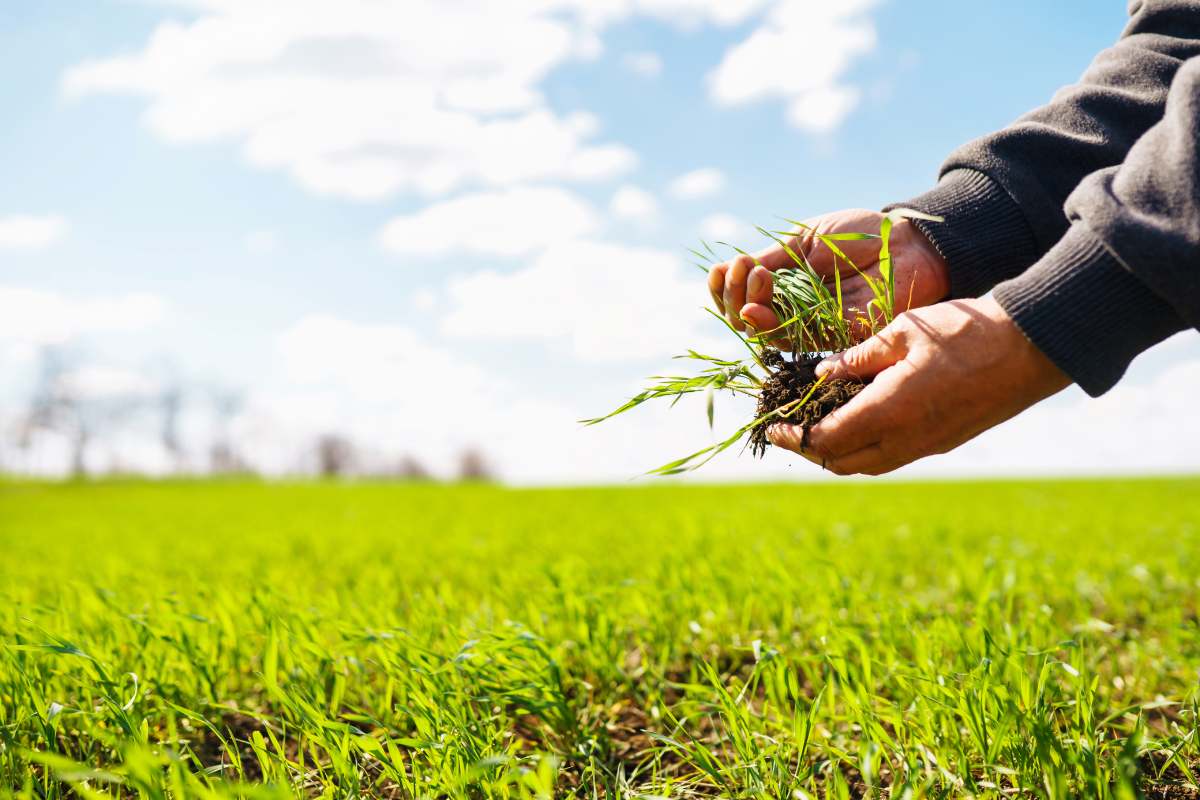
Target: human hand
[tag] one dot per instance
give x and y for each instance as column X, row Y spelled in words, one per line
column 942, row 375
column 742, row 290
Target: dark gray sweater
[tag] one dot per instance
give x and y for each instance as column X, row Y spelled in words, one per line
column 1083, row 216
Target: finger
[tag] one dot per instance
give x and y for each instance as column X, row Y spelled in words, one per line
column 735, row 289
column 860, row 423
column 866, row 359
column 783, row 256
column 760, row 317
column 716, row 285
column 759, row 286
column 870, row 460
column 787, row 436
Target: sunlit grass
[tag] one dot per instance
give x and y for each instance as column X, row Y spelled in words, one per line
column 825, row 641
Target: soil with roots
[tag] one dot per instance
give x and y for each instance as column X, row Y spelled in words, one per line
column 791, row 380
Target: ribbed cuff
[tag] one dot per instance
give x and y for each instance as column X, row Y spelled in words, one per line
column 1089, row 314
column 985, row 238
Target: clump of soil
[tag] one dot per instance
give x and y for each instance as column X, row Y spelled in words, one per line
column 791, row 380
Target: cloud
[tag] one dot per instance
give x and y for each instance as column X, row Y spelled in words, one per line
column 27, row 232
column 380, row 361
column 39, row 317
column 362, row 99
column 1145, row 426
column 596, row 301
column 698, row 183
column 508, row 222
column 801, row 54
column 261, row 243
column 633, row 203
column 401, row 391
column 100, row 381
column 723, row 227
column 645, row 64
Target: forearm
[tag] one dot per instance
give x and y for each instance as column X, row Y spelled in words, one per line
column 1002, row 195
column 1127, row 274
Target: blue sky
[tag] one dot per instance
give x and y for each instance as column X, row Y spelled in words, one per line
column 253, row 247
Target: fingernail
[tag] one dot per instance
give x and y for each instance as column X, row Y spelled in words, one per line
column 754, row 283
column 747, row 322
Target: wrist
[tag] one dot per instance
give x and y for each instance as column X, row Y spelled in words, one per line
column 983, row 237
column 1030, row 368
column 935, row 271
column 1086, row 311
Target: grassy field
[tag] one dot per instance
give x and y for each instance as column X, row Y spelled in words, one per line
column 791, row 641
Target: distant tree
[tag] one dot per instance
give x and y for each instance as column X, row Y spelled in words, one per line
column 473, row 466
column 335, row 455
column 410, row 469
column 55, row 405
column 170, row 402
column 224, row 457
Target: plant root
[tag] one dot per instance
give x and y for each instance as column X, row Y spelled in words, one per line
column 791, row 380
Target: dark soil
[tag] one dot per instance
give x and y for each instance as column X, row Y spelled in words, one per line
column 791, row 380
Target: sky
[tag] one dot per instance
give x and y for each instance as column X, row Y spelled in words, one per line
column 458, row 223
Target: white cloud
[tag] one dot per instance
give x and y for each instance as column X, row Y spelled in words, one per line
column 40, row 317
column 597, row 301
column 100, row 381
column 508, row 222
column 633, row 203
column 645, row 64
column 380, row 361
column 1138, row 426
column 261, row 243
column 801, row 54
column 723, row 227
column 28, row 232
column 698, row 183
column 424, row 300
column 364, row 99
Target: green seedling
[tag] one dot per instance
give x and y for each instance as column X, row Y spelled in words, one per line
column 815, row 320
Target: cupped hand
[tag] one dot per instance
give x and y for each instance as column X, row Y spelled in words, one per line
column 742, row 287
column 942, row 375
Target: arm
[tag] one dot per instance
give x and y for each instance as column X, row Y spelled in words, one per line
column 1125, row 276
column 1127, row 273
column 1002, row 195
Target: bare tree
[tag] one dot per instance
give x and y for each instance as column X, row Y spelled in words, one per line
column 410, row 469
column 170, row 404
column 55, row 405
column 223, row 456
column 335, row 455
column 473, row 466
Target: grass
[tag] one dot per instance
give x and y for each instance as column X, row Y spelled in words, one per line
column 822, row 641
column 813, row 319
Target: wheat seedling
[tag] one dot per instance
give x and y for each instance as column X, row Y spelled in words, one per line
column 815, row 321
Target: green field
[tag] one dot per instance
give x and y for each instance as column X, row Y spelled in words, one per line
column 788, row 641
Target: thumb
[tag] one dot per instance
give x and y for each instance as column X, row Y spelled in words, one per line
column 865, row 360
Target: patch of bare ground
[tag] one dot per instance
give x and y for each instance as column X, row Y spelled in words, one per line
column 1171, row 783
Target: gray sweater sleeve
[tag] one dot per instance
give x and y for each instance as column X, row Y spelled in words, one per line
column 1127, row 273
column 1002, row 195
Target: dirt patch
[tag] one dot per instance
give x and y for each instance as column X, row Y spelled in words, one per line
column 1172, row 784
column 792, row 380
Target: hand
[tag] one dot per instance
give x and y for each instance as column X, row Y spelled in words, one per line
column 742, row 290
column 943, row 375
